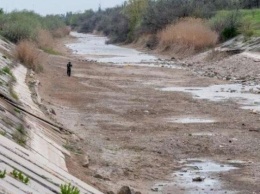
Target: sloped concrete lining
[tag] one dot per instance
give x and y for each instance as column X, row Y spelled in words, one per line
column 39, row 142
column 23, row 91
column 44, row 178
column 44, row 147
column 44, row 161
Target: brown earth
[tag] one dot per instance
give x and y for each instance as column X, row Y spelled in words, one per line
column 119, row 116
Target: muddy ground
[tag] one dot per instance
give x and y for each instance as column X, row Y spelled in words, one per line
column 121, row 119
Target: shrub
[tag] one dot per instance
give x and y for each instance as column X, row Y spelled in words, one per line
column 227, row 24
column 61, row 32
column 68, row 189
column 17, row 26
column 27, row 53
column 21, row 25
column 45, row 39
column 161, row 13
column 189, row 32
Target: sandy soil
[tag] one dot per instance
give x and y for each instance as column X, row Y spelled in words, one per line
column 120, row 118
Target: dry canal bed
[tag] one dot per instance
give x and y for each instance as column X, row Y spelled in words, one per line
column 123, row 122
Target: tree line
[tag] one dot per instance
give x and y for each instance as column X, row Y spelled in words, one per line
column 136, row 17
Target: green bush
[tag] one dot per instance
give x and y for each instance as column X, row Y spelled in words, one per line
column 68, row 189
column 229, row 32
column 227, row 24
column 21, row 25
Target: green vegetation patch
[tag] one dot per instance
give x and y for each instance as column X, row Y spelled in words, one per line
column 2, row 174
column 20, row 176
column 6, row 70
column 13, row 93
column 252, row 16
column 3, row 133
column 20, row 136
column 51, row 51
column 69, row 189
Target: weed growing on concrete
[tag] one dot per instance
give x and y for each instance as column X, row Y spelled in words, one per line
column 17, row 110
column 6, row 70
column 13, row 94
column 20, row 176
column 3, row 133
column 19, row 136
column 2, row 174
column 72, row 148
column 68, row 189
column 21, row 129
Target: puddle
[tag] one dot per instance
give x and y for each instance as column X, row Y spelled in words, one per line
column 203, row 134
column 190, row 120
column 94, row 48
column 247, row 96
column 183, row 179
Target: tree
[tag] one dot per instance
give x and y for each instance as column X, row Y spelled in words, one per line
column 134, row 10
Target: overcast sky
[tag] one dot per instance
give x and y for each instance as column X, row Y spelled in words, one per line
column 44, row 7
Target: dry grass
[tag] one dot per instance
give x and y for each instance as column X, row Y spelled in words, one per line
column 61, row 32
column 190, row 33
column 28, row 54
column 45, row 39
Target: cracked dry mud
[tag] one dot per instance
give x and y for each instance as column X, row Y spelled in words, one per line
column 121, row 120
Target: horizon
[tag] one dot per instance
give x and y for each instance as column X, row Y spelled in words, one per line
column 49, row 7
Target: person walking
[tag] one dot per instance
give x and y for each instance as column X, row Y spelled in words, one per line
column 69, row 65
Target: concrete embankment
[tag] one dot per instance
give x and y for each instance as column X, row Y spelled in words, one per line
column 28, row 142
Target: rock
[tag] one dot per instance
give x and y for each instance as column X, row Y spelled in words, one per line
column 110, row 192
column 74, row 138
column 254, row 130
column 98, row 176
column 198, row 179
column 254, row 112
column 52, row 111
column 155, row 189
column 138, row 192
column 86, row 162
column 32, row 74
column 125, row 190
column 2, row 109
